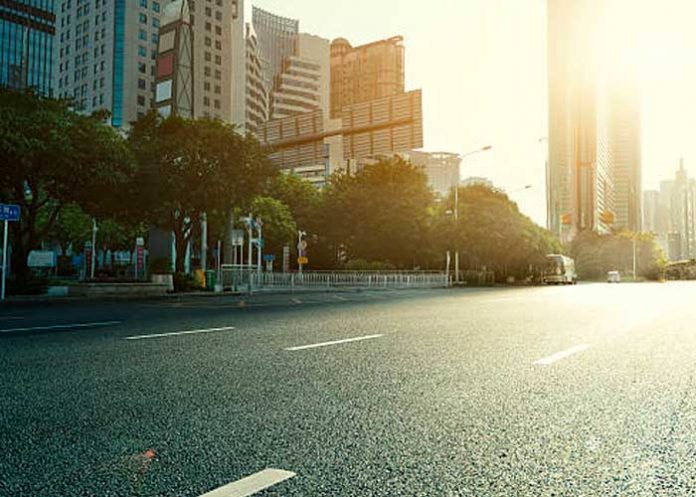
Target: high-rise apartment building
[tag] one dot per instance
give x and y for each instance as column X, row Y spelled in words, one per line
column 364, row 73
column 303, row 83
column 219, row 59
column 257, row 105
column 27, row 29
column 581, row 187
column 625, row 156
column 277, row 38
column 105, row 55
column 296, row 88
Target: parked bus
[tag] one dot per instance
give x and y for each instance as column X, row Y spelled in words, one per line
column 560, row 270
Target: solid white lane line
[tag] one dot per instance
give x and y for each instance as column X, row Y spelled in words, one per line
column 252, row 484
column 179, row 333
column 335, row 342
column 547, row 361
column 62, row 326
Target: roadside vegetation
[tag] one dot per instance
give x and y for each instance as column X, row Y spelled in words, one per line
column 65, row 170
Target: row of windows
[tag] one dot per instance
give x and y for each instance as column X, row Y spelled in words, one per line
column 155, row 5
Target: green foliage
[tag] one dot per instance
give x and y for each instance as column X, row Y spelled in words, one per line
column 187, row 168
column 279, row 228
column 491, row 232
column 53, row 157
column 378, row 214
column 300, row 196
column 597, row 254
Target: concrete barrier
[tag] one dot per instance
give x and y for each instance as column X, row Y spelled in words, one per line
column 118, row 290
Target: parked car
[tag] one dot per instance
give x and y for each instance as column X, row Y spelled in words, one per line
column 613, row 277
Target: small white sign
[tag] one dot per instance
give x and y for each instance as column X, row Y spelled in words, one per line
column 42, row 259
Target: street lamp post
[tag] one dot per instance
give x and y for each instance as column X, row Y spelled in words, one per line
column 456, row 207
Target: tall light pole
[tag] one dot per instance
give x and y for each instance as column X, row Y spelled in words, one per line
column 456, row 205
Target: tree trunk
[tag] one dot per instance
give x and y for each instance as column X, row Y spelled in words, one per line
column 181, row 244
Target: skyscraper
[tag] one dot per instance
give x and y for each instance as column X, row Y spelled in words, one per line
column 581, row 187
column 27, row 29
column 277, row 38
column 105, row 56
column 107, row 50
column 257, row 105
column 303, row 82
column 364, row 73
column 594, row 171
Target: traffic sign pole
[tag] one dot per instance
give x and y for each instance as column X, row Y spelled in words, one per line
column 4, row 261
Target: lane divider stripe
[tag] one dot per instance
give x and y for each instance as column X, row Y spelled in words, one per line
column 179, row 333
column 252, row 484
column 335, row 342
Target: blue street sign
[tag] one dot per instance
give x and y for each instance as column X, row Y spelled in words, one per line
column 9, row 212
column 269, row 257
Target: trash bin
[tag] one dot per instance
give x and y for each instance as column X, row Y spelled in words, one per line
column 210, row 280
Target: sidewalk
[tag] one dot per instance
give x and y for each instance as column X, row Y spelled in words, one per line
column 29, row 300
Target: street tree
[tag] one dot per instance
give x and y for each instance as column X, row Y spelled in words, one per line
column 301, row 196
column 378, row 214
column 491, row 232
column 279, row 228
column 53, row 157
column 190, row 167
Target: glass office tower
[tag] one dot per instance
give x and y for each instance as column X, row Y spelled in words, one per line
column 27, row 28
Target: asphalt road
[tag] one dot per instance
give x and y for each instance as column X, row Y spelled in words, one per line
column 558, row 391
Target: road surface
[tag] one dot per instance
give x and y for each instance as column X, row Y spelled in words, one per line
column 585, row 390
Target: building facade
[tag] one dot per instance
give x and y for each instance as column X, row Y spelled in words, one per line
column 580, row 183
column 105, row 55
column 625, row 156
column 257, row 104
column 296, row 89
column 219, row 60
column 364, row 73
column 441, row 168
column 277, row 40
column 27, row 31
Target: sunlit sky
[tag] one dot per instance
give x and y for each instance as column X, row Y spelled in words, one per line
column 482, row 67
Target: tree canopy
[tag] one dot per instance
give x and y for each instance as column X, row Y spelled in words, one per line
column 53, row 157
column 378, row 214
column 190, row 167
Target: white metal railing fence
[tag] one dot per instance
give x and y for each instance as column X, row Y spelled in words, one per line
column 245, row 278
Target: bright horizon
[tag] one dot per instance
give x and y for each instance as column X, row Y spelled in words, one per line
column 482, row 68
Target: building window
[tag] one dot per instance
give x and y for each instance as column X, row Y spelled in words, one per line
column 142, row 18
column 142, row 51
column 141, row 84
column 143, row 4
column 206, row 101
column 156, row 6
column 142, row 34
column 141, row 100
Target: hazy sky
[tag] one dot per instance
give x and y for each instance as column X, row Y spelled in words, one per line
column 482, row 67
